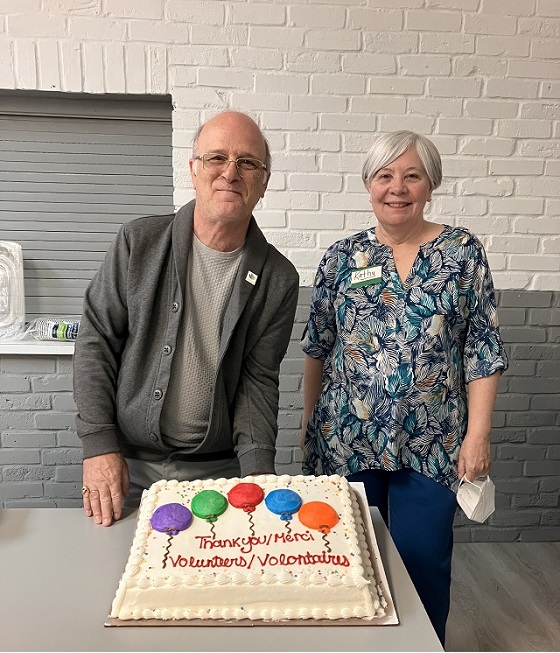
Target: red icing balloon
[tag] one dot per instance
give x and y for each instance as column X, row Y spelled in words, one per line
column 246, row 496
column 318, row 515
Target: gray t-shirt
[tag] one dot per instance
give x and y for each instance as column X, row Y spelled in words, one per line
column 210, row 278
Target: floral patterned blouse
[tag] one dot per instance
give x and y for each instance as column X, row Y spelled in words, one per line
column 398, row 355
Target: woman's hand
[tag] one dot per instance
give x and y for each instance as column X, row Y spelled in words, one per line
column 474, row 456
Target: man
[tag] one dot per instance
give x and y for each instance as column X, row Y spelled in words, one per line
column 183, row 330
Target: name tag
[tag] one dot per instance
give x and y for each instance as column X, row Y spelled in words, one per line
column 365, row 277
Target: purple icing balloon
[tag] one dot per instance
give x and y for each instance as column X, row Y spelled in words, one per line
column 171, row 518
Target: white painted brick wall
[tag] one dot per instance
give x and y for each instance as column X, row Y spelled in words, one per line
column 481, row 77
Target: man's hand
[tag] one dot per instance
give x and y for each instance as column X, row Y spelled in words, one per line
column 106, row 479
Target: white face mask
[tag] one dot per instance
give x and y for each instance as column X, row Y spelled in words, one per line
column 477, row 498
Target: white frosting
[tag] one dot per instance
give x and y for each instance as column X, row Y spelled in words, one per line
column 287, row 570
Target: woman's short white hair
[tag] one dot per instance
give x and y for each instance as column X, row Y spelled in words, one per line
column 388, row 147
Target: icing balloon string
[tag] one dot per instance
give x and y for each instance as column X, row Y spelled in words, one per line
column 288, row 527
column 251, row 524
column 167, row 550
column 212, row 529
column 325, row 540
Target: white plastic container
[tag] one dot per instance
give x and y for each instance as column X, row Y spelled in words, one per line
column 12, row 295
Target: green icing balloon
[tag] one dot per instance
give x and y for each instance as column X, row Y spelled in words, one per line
column 209, row 505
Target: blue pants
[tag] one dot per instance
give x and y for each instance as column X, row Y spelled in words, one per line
column 419, row 513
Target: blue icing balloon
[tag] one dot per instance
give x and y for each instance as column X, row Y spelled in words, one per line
column 283, row 502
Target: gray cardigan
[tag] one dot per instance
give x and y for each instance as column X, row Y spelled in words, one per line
column 128, row 332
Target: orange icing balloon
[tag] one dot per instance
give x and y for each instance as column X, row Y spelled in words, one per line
column 318, row 515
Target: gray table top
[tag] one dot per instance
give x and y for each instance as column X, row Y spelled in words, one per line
column 59, row 572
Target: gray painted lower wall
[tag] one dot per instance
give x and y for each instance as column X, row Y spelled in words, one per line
column 40, row 454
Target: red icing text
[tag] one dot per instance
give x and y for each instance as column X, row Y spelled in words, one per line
column 246, row 544
column 268, row 560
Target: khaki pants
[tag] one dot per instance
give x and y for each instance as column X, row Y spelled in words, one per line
column 143, row 473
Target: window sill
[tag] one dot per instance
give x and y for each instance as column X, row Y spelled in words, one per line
column 35, row 347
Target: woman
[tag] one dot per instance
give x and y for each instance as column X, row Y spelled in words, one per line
column 403, row 317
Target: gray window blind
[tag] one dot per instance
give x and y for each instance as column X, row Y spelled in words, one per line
column 72, row 171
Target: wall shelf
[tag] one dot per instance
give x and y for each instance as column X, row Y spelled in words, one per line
column 36, row 347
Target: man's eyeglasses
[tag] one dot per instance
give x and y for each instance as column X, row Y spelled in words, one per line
column 215, row 162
